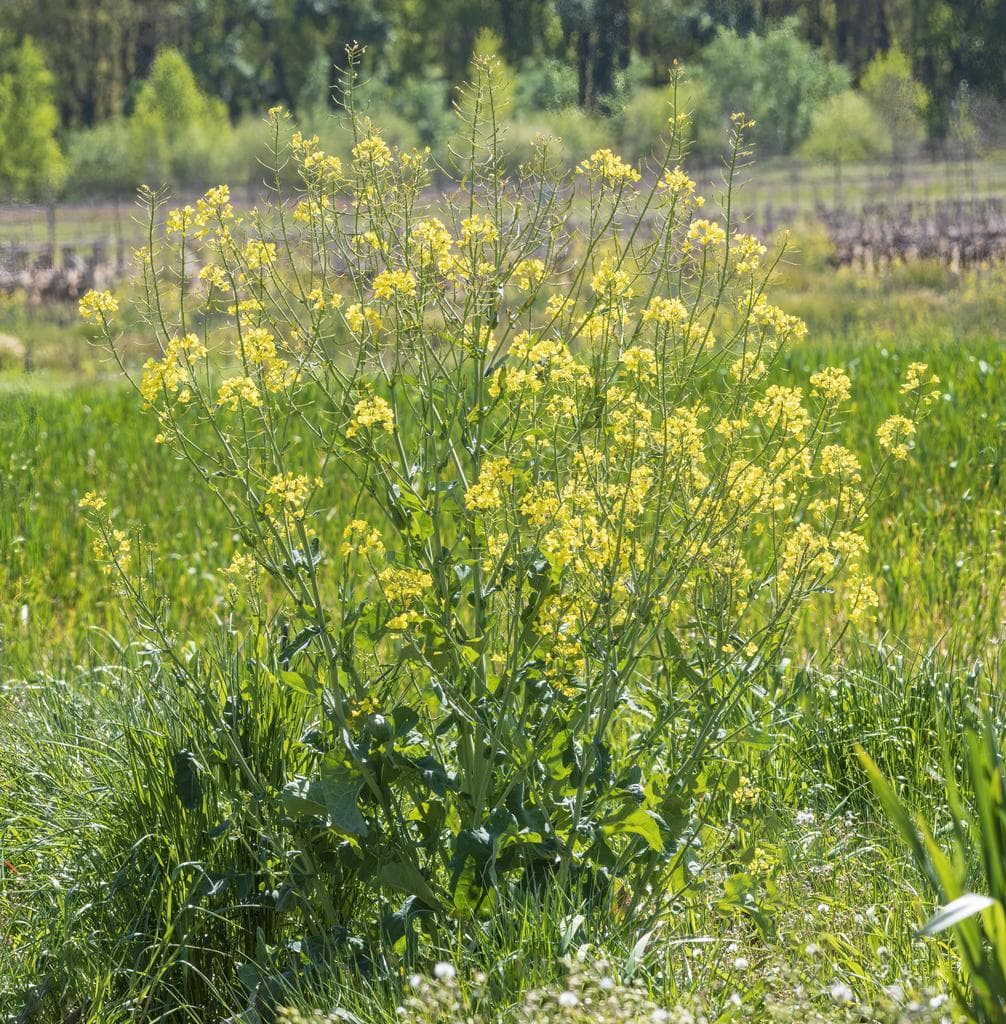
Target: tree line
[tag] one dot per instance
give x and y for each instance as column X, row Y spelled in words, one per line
column 100, row 95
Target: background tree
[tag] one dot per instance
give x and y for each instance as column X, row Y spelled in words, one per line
column 845, row 130
column 776, row 77
column 31, row 164
column 898, row 100
column 175, row 129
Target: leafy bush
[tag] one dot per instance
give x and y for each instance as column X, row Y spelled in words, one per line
column 776, row 77
column 520, row 523
column 175, row 130
column 101, row 160
column 544, row 84
column 844, row 130
column 31, row 163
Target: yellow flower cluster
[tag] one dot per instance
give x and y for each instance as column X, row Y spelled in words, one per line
column 678, row 185
column 609, row 169
column 97, row 306
column 258, row 254
column 478, row 229
column 611, row 282
column 359, row 316
column 665, row 312
column 371, row 411
column 292, row 491
column 544, row 362
column 92, row 500
column 236, row 390
column 748, row 253
column 112, row 552
column 831, row 384
column 243, row 570
column 163, row 378
column 705, row 233
column 257, row 346
column 486, row 494
column 314, row 162
column 529, row 273
column 372, row 151
column 360, row 538
column 403, row 586
column 895, row 435
column 918, row 378
column 782, row 409
column 641, row 362
column 393, row 283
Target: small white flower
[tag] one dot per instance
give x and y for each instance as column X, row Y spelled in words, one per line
column 840, row 992
column 805, row 817
column 443, row 971
column 567, row 1000
column 937, row 1001
column 741, row 963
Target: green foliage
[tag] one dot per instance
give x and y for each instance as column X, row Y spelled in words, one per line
column 101, row 160
column 175, row 130
column 899, row 100
column 977, row 861
column 31, row 164
column 845, row 129
column 776, row 77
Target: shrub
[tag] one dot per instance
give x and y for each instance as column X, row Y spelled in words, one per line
column 31, row 164
column 776, row 77
column 845, row 130
column 176, row 132
column 519, row 522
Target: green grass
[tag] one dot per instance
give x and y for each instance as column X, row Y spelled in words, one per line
column 794, row 894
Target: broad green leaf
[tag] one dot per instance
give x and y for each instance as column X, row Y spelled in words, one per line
column 958, row 910
column 635, row 821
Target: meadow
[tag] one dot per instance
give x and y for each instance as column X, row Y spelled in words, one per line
column 145, row 873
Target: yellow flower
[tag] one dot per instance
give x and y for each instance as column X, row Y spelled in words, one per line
column 292, row 490
column 391, row 283
column 433, row 239
column 609, row 169
column 895, row 435
column 357, row 316
column 640, row 361
column 677, row 184
column 747, row 251
column 257, row 345
column 477, row 228
column 529, row 273
column 706, row 233
column 486, row 494
column 372, row 150
column 259, row 254
column 917, row 377
column 113, row 551
column 782, row 408
column 404, row 586
column 669, row 312
column 215, row 275
column 836, row 460
column 372, row 411
column 831, row 384
column 97, row 305
column 236, row 390
column 92, row 500
column 610, row 281
column 360, row 538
